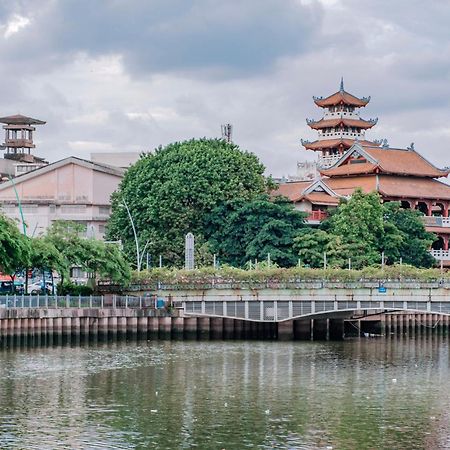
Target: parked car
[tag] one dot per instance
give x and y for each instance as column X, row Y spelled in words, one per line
column 38, row 288
column 6, row 287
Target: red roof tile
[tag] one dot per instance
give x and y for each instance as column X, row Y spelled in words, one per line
column 333, row 143
column 341, row 97
column 325, row 123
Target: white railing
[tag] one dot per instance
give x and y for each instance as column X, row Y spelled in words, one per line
column 327, row 161
column 436, row 221
column 441, row 255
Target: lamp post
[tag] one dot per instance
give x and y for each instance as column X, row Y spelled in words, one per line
column 138, row 259
column 139, row 255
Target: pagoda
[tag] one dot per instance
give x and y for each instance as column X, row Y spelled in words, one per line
column 340, row 125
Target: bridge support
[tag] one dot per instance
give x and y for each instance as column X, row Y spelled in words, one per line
column 286, row 330
column 216, row 325
column 190, row 327
column 177, row 327
column 336, row 329
column 302, row 329
column 228, row 328
column 203, row 327
column 320, row 329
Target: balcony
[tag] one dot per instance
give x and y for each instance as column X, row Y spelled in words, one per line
column 28, row 143
column 327, row 161
column 441, row 255
column 315, row 217
column 436, row 221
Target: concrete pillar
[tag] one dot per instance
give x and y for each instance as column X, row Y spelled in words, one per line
column 400, row 327
column 75, row 325
column 66, row 325
column 132, row 326
column 57, row 325
column 216, row 325
column 302, row 329
column 177, row 327
column 153, row 327
column 93, row 326
column 190, row 327
column 142, row 325
column 17, row 327
column 320, row 329
column 286, row 330
column 165, row 327
column 203, row 327
column 24, row 326
column 238, row 329
column 112, row 327
column 121, row 326
column 37, row 327
column 336, row 329
column 228, row 328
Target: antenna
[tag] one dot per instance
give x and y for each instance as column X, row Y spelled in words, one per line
column 227, row 132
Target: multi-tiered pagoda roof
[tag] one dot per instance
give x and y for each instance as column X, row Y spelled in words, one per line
column 341, row 124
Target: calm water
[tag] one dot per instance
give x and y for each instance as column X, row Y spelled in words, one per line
column 368, row 394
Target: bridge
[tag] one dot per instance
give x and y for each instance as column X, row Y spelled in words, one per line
column 278, row 305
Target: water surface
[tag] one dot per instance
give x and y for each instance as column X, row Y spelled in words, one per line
column 361, row 394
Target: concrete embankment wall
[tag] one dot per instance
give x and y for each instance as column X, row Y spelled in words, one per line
column 151, row 324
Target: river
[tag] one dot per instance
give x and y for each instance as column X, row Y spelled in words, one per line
column 356, row 394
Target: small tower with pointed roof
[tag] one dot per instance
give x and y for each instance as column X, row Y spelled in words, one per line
column 19, row 138
column 340, row 125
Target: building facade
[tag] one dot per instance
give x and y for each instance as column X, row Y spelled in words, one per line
column 70, row 189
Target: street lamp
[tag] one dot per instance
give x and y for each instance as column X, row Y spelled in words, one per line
column 139, row 255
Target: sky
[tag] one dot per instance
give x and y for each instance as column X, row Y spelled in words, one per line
column 130, row 75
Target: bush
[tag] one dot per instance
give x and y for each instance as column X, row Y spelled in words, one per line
column 74, row 289
column 295, row 274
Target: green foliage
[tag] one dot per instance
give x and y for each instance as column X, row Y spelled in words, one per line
column 171, row 191
column 274, row 275
column 94, row 256
column 68, row 288
column 359, row 224
column 415, row 242
column 44, row 255
column 247, row 230
column 15, row 248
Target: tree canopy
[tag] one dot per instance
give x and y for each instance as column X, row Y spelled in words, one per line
column 171, row 191
column 361, row 229
column 247, row 230
column 15, row 248
column 91, row 255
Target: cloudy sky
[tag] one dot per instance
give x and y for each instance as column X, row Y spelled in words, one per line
column 129, row 75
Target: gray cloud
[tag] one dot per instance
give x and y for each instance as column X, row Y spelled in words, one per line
column 131, row 75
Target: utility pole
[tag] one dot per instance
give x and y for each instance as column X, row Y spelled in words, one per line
column 227, row 132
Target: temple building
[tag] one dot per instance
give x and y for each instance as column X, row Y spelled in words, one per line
column 348, row 161
column 339, row 126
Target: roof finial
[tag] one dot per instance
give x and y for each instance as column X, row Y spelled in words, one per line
column 341, row 88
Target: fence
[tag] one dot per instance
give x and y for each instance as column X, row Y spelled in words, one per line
column 59, row 301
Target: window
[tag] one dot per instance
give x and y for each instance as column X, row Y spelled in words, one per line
column 73, row 209
column 104, row 210
column 102, row 229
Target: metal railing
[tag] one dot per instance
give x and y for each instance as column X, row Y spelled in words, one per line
column 59, row 301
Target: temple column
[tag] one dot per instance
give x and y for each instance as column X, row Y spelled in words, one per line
column 445, row 239
column 429, row 208
column 445, row 210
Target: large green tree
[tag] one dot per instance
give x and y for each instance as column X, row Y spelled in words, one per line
column 414, row 243
column 15, row 248
column 171, row 191
column 247, row 230
column 91, row 255
column 359, row 223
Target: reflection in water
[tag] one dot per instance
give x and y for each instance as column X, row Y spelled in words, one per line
column 390, row 394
